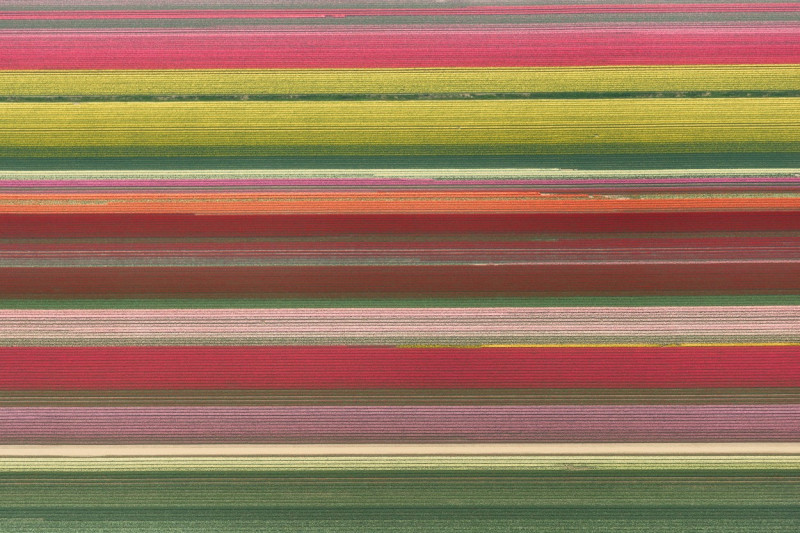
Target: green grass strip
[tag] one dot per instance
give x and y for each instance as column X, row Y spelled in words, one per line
column 575, row 301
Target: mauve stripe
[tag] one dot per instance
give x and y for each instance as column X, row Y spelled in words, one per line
column 373, row 48
column 633, row 423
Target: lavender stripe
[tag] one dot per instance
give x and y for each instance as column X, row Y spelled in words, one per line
column 610, row 423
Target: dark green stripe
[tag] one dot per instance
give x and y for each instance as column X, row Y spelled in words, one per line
column 498, row 520
column 578, row 161
column 404, row 397
column 588, row 492
column 767, row 151
column 399, row 22
column 378, row 301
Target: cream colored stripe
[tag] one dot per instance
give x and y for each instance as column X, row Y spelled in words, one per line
column 427, row 463
column 178, row 450
column 447, row 175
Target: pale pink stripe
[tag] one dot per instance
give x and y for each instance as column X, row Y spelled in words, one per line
column 275, row 326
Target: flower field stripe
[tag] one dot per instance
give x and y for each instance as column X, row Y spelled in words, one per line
column 575, row 251
column 524, row 486
column 399, row 302
column 745, row 423
column 370, row 326
column 380, row 47
column 406, row 202
column 375, row 367
column 765, row 7
column 270, row 226
column 386, row 178
column 402, row 203
column 521, row 80
column 398, row 456
column 401, row 397
column 400, row 128
column 301, row 161
column 437, row 280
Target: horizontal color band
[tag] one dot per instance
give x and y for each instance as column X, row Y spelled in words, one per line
column 349, row 367
column 765, row 7
column 399, row 128
column 393, row 176
column 686, row 250
column 387, row 424
column 434, row 325
column 422, row 203
column 170, row 225
column 409, row 281
column 371, row 47
column 377, row 397
column 469, row 456
column 399, row 81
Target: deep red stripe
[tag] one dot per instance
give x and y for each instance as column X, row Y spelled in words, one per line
column 348, row 367
column 365, row 48
column 444, row 280
column 70, row 226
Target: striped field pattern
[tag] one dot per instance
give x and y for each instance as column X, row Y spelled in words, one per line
column 458, row 266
